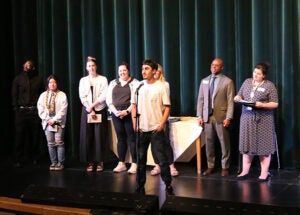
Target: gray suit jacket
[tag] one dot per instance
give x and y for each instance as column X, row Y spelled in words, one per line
column 222, row 99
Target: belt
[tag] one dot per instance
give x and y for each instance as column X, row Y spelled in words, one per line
column 27, row 107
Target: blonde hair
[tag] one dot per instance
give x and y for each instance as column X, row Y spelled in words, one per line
column 162, row 77
column 90, row 58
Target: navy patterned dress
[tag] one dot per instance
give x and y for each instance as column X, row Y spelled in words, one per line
column 257, row 127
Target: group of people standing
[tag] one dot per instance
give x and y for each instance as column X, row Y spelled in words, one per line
column 34, row 106
column 215, row 109
column 140, row 112
column 151, row 108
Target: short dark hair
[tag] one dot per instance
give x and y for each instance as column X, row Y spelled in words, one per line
column 125, row 64
column 264, row 66
column 150, row 63
column 32, row 63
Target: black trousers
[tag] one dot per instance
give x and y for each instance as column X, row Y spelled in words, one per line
column 168, row 147
column 126, row 136
column 157, row 140
column 28, row 135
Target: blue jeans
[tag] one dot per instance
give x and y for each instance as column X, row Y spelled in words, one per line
column 56, row 146
column 158, row 141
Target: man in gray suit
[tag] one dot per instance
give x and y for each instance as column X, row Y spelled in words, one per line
column 215, row 108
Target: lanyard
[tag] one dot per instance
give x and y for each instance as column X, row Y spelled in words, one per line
column 254, row 88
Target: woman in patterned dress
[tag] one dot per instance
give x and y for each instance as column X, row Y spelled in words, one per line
column 257, row 127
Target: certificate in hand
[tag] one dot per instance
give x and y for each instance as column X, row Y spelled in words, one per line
column 246, row 103
column 90, row 119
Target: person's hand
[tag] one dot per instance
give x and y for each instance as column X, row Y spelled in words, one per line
column 237, row 98
column 259, row 105
column 136, row 129
column 89, row 109
column 51, row 122
column 226, row 123
column 117, row 113
column 159, row 128
column 93, row 115
column 200, row 122
column 122, row 114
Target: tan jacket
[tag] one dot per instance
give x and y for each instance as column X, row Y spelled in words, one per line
column 222, row 99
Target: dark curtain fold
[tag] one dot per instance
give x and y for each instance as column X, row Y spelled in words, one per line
column 182, row 35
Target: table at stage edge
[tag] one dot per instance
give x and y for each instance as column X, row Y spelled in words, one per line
column 184, row 139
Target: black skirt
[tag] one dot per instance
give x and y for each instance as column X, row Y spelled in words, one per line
column 93, row 138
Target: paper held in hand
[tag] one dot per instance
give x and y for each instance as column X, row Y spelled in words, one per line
column 90, row 119
column 52, row 128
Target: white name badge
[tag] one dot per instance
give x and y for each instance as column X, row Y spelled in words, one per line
column 260, row 89
column 205, row 81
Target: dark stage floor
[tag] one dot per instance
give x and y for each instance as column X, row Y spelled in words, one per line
column 280, row 195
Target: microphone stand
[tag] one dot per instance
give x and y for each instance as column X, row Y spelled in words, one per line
column 137, row 140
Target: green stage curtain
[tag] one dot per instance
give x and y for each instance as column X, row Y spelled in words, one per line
column 182, row 35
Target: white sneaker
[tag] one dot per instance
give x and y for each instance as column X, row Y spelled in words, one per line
column 120, row 168
column 132, row 169
column 52, row 166
column 59, row 166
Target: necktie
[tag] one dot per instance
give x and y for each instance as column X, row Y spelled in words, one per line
column 50, row 100
column 51, row 106
column 211, row 93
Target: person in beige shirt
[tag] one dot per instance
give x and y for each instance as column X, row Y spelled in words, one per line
column 159, row 75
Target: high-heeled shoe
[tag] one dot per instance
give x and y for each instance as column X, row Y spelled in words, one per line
column 264, row 179
column 243, row 177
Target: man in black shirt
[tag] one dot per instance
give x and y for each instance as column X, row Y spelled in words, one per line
column 26, row 89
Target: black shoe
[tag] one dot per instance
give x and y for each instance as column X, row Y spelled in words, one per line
column 243, row 177
column 169, row 190
column 140, row 189
column 264, row 179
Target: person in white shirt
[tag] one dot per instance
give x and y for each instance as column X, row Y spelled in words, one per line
column 151, row 104
column 93, row 128
column 52, row 109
